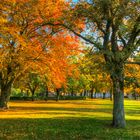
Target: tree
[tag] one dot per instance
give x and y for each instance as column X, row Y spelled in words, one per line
column 28, row 41
column 113, row 28
column 94, row 68
column 32, row 83
column 132, row 79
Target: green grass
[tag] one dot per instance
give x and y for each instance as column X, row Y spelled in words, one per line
column 67, row 120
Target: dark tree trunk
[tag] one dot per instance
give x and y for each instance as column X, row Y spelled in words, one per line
column 5, row 96
column 104, row 95
column 33, row 93
column 81, row 94
column 57, row 94
column 47, row 93
column 118, row 100
column 27, row 92
column 95, row 95
column 72, row 92
column 111, row 94
column 32, row 90
column 91, row 93
column 135, row 95
column 85, row 93
column 21, row 91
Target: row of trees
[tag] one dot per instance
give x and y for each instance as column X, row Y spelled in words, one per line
column 41, row 37
column 88, row 77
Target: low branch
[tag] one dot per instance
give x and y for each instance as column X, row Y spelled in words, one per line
column 138, row 63
column 76, row 33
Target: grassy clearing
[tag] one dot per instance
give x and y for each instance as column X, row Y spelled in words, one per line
column 67, row 120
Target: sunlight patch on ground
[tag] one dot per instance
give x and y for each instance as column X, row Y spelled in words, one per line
column 63, row 109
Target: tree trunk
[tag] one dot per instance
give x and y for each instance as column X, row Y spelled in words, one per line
column 95, row 95
column 111, row 94
column 57, row 94
column 47, row 93
column 72, row 92
column 5, row 96
column 135, row 95
column 27, row 93
column 85, row 93
column 33, row 92
column 91, row 93
column 81, row 94
column 104, row 95
column 118, row 100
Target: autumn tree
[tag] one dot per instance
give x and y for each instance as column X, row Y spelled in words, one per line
column 132, row 78
column 113, row 28
column 94, row 68
column 28, row 41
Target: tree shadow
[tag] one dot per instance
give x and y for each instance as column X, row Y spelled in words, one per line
column 66, row 129
column 77, row 109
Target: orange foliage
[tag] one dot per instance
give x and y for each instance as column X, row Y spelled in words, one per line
column 30, row 42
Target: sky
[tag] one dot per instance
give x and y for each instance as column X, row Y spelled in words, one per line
column 74, row 0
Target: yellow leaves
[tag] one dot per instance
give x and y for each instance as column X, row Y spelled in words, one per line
column 50, row 10
column 3, row 20
column 30, row 44
column 132, row 70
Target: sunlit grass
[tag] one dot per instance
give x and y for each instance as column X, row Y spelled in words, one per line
column 82, row 119
column 53, row 109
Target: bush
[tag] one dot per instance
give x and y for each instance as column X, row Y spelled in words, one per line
column 72, row 98
column 25, row 98
column 16, row 92
column 21, row 98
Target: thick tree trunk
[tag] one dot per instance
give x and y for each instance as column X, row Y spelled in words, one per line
column 5, row 96
column 118, row 100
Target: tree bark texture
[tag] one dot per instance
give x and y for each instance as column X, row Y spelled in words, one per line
column 118, row 100
column 5, row 96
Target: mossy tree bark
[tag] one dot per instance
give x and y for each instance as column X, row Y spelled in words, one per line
column 118, row 94
column 5, row 96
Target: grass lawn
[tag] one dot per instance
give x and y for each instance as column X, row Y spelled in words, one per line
column 67, row 120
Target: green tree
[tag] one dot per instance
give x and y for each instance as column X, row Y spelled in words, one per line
column 33, row 82
column 113, row 28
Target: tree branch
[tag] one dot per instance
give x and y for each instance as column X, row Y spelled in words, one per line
column 122, row 39
column 127, row 62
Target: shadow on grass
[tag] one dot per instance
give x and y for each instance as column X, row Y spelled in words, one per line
column 66, row 129
column 60, row 110
column 78, row 109
column 77, row 102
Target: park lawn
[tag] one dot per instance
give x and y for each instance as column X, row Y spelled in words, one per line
column 67, row 120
